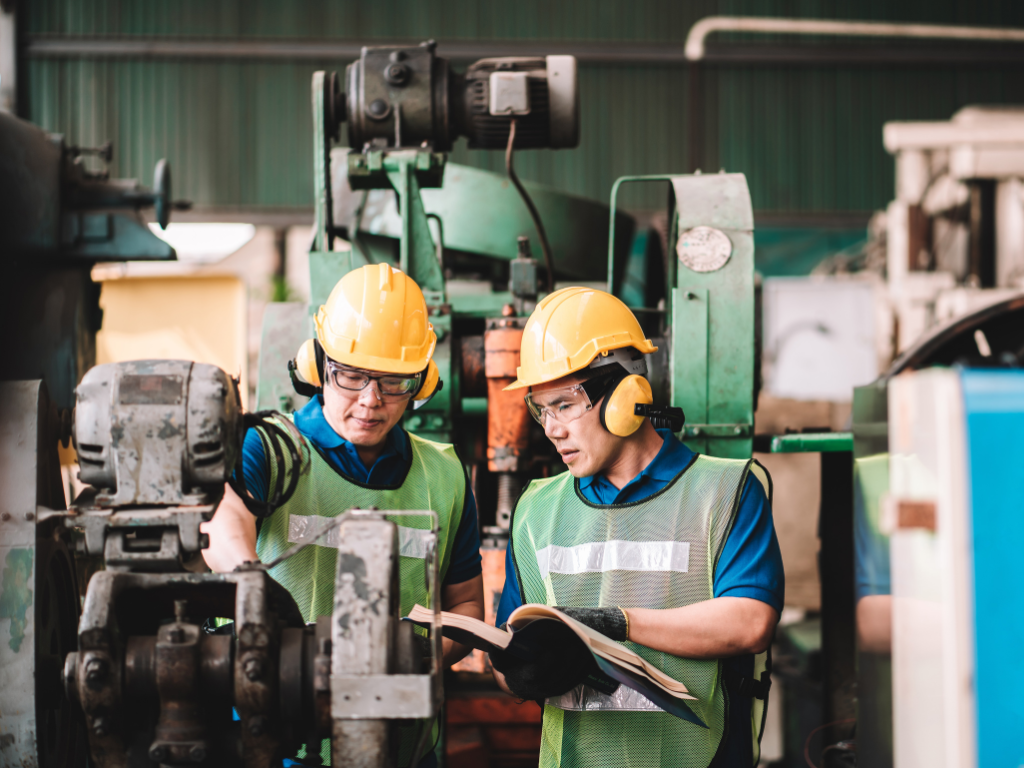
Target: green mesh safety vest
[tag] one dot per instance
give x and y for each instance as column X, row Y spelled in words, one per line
column 435, row 480
column 659, row 552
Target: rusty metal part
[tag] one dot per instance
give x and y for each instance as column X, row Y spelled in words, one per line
column 120, row 666
column 181, row 734
column 38, row 725
column 291, row 686
column 368, row 687
column 508, row 420
column 473, row 382
column 322, row 677
column 140, row 667
column 510, row 485
column 366, row 598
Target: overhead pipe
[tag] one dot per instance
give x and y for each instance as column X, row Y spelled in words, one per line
column 695, row 49
column 588, row 53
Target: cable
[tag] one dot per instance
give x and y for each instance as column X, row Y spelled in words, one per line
column 275, row 437
column 545, row 246
column 807, row 744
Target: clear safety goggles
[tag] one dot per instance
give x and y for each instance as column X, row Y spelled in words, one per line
column 566, row 404
column 355, row 380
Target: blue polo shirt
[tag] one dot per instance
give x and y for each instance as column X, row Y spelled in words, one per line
column 750, row 564
column 390, row 467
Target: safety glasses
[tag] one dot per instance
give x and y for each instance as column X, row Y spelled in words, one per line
column 563, row 405
column 356, row 380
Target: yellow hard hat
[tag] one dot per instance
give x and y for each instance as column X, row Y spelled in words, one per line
column 376, row 318
column 570, row 328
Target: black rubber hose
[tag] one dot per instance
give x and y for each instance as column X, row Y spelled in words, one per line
column 278, row 440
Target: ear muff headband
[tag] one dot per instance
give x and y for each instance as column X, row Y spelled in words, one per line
column 321, row 363
column 618, row 411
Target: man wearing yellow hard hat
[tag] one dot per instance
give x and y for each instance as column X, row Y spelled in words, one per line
column 672, row 553
column 369, row 362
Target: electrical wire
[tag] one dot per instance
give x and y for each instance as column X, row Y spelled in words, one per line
column 545, row 246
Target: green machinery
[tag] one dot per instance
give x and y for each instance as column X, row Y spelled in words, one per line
column 463, row 234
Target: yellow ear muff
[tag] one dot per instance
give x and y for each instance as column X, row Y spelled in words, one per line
column 617, row 414
column 305, row 364
column 429, row 385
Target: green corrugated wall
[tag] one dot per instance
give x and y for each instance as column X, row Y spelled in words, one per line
column 238, row 133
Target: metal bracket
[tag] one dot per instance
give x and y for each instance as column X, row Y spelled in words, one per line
column 718, row 430
column 363, row 697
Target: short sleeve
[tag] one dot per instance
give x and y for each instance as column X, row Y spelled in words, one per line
column 510, row 597
column 751, row 563
column 254, row 466
column 465, row 562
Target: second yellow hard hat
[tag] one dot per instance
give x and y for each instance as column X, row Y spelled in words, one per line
column 569, row 329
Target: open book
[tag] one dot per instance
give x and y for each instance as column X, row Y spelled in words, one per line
column 616, row 663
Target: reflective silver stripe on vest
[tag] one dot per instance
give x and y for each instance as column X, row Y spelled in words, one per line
column 600, row 556
column 412, row 542
column 583, row 698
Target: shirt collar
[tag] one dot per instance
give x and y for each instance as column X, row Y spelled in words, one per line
column 311, row 421
column 670, row 460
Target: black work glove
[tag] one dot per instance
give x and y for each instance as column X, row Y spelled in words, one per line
column 562, row 662
column 610, row 622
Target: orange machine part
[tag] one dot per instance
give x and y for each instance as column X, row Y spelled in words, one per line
column 508, row 420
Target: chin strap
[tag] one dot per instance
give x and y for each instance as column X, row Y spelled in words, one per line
column 662, row 416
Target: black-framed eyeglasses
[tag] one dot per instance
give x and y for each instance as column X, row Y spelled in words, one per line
column 356, row 380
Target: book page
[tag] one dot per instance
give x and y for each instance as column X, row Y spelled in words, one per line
column 496, row 637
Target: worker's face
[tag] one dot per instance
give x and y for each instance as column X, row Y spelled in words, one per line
column 584, row 445
column 362, row 417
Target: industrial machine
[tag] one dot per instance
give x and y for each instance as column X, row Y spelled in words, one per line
column 132, row 676
column 141, row 681
column 955, row 232
column 60, row 213
column 468, row 238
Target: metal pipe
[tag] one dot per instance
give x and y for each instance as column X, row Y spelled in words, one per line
column 604, row 53
column 695, row 49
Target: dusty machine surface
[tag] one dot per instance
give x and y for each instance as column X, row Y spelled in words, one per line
column 137, row 677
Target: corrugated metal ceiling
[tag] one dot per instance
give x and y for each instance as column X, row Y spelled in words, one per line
column 238, row 133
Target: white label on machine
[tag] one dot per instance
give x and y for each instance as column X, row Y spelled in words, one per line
column 412, row 542
column 704, row 249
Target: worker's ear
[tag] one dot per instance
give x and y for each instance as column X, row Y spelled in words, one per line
column 306, row 370
column 429, row 387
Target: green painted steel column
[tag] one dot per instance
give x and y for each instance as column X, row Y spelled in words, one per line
column 417, row 252
column 711, row 307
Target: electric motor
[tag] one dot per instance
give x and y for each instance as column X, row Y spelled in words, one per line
column 157, row 432
column 409, row 97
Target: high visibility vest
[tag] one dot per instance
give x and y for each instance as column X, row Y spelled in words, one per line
column 659, row 552
column 435, row 480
